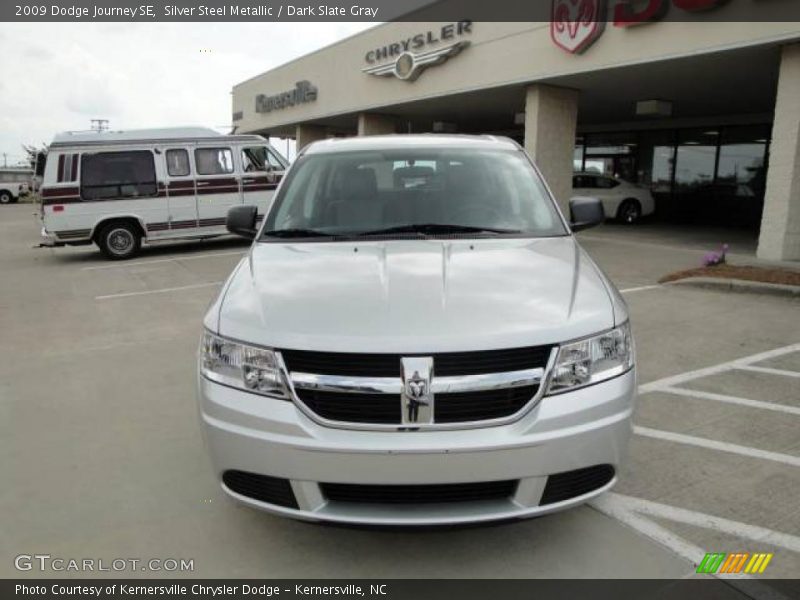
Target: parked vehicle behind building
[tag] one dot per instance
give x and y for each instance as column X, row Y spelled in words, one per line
column 14, row 182
column 415, row 338
column 118, row 189
column 622, row 200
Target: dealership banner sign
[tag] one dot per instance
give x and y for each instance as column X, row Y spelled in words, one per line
column 580, row 22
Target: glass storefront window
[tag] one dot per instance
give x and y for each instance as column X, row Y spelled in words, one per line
column 741, row 159
column 612, row 154
column 697, row 155
column 713, row 174
column 656, row 160
column 577, row 156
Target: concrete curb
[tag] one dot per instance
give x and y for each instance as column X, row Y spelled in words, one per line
column 740, row 285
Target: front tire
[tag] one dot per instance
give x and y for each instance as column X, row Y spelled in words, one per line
column 119, row 241
column 629, row 212
column 6, row 197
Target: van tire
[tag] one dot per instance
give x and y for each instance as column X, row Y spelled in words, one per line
column 629, row 212
column 119, row 240
column 6, row 197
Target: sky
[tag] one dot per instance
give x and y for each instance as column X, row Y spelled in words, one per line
column 58, row 76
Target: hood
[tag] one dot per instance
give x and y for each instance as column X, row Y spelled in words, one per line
column 415, row 295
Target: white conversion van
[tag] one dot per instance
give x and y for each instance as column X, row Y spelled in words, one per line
column 118, row 189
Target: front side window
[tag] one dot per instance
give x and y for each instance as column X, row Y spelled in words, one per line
column 260, row 158
column 177, row 162
column 430, row 192
column 115, row 175
column 213, row 161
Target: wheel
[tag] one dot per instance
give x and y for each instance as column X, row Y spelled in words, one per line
column 6, row 197
column 119, row 241
column 630, row 211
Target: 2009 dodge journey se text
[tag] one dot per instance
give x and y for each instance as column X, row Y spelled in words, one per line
column 416, row 338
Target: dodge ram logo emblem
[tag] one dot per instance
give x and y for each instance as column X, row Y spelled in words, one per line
column 576, row 24
column 416, row 401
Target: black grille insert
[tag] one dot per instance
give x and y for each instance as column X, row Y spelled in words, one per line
column 354, row 408
column 419, row 494
column 386, row 409
column 563, row 486
column 388, row 365
column 264, row 488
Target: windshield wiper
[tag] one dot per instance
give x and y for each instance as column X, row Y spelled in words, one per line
column 295, row 233
column 436, row 228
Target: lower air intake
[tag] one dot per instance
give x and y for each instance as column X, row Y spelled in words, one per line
column 419, row 494
column 272, row 490
column 564, row 486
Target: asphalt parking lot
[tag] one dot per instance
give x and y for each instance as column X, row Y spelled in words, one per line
column 103, row 458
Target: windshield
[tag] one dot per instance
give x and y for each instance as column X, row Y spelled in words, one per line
column 413, row 192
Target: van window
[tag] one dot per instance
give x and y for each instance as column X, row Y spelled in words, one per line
column 67, row 167
column 177, row 162
column 213, row 161
column 107, row 175
column 260, row 158
column 276, row 160
column 254, row 159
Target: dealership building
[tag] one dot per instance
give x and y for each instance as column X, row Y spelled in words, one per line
column 705, row 110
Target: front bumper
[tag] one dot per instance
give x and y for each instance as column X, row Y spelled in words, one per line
column 563, row 433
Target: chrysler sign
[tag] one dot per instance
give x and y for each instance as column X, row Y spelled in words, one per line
column 406, row 59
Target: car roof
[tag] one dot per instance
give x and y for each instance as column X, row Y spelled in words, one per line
column 405, row 141
column 159, row 135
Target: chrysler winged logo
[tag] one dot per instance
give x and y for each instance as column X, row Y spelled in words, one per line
column 409, row 65
column 417, row 399
column 576, row 24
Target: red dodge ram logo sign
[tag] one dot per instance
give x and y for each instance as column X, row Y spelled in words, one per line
column 576, row 24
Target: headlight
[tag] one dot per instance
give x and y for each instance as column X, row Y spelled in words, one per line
column 242, row 366
column 593, row 359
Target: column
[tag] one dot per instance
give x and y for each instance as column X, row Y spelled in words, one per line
column 373, row 124
column 551, row 116
column 779, row 238
column 305, row 134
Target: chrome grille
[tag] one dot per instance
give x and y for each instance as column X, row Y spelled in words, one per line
column 358, row 390
column 388, row 365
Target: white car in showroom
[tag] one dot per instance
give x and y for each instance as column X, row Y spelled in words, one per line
column 622, row 200
column 428, row 354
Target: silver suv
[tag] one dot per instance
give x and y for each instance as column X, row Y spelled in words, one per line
column 416, row 337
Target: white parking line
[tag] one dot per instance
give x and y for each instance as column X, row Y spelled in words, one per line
column 792, row 410
column 160, row 260
column 618, row 502
column 690, row 440
column 629, row 510
column 639, row 289
column 158, row 291
column 719, row 368
column 768, row 371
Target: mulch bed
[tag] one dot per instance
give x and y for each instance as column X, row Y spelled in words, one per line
column 726, row 271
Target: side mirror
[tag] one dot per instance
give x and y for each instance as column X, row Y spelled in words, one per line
column 241, row 220
column 586, row 212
